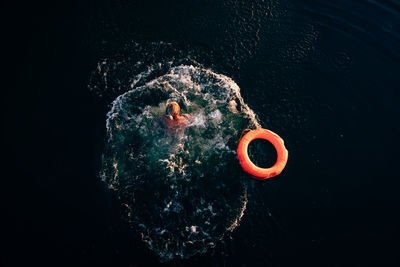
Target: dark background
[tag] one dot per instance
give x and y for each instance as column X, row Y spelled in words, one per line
column 336, row 202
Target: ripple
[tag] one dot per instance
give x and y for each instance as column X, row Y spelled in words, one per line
column 371, row 22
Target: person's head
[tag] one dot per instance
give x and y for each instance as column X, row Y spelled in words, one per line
column 172, row 109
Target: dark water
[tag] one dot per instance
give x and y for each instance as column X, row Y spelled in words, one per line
column 324, row 75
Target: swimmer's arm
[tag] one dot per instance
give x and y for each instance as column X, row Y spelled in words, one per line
column 159, row 120
column 187, row 116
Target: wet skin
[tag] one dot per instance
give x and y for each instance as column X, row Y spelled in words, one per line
column 174, row 124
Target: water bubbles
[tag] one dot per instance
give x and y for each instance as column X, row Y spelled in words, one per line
column 216, row 117
column 342, row 60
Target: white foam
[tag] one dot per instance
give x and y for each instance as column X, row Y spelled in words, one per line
column 181, row 160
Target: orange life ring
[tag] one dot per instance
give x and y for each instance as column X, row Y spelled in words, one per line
column 250, row 167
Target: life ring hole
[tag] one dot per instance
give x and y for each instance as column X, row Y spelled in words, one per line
column 262, row 153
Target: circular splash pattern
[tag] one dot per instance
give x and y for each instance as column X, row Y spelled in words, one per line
column 182, row 192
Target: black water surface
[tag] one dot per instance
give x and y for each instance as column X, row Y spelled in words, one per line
column 262, row 153
column 324, row 75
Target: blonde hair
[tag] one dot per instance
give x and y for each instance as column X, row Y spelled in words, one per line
column 172, row 109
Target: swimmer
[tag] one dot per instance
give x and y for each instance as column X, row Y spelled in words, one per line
column 172, row 120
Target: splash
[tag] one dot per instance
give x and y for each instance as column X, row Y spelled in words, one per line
column 182, row 192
